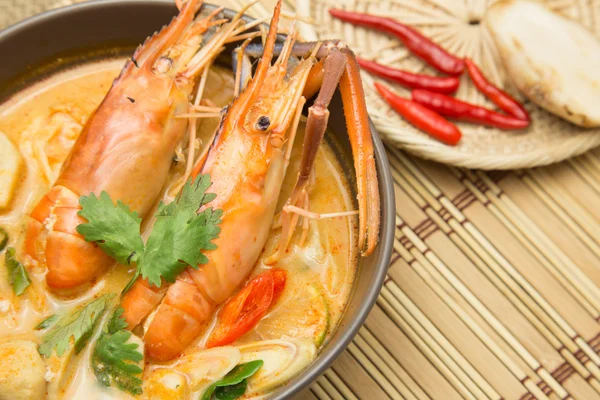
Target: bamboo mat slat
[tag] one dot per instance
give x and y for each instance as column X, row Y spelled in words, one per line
column 493, row 291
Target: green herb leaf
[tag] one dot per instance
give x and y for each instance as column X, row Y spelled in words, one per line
column 232, row 392
column 77, row 326
column 17, row 276
column 115, row 228
column 3, row 239
column 193, row 196
column 113, row 362
column 180, row 234
column 114, row 359
column 116, row 322
column 47, row 323
column 235, row 377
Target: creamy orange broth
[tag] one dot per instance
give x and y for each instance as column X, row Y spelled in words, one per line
column 49, row 115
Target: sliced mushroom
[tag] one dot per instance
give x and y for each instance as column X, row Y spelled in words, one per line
column 164, row 383
column 207, row 366
column 283, row 360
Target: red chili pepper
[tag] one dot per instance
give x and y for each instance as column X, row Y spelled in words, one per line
column 410, row 80
column 421, row 117
column 421, row 46
column 243, row 311
column 457, row 109
column 497, row 96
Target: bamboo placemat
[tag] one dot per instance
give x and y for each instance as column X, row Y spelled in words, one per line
column 493, row 290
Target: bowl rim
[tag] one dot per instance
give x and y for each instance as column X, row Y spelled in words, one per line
column 330, row 352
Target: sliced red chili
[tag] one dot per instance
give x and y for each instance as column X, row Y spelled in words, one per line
column 421, row 117
column 421, row 46
column 243, row 311
column 463, row 111
column 279, row 280
column 411, row 80
column 500, row 98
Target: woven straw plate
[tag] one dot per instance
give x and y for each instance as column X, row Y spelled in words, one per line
column 458, row 26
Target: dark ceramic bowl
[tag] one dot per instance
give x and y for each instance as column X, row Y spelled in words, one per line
column 96, row 29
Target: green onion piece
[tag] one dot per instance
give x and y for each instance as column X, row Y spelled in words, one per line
column 17, row 276
column 235, row 379
column 3, row 239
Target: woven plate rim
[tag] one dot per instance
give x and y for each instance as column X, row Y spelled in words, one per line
column 419, row 147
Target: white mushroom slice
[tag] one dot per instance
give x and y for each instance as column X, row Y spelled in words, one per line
column 554, row 61
column 283, row 360
column 22, row 371
column 207, row 366
column 58, row 373
column 10, row 167
column 164, row 383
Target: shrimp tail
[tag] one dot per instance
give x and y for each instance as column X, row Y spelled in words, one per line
column 66, row 250
column 185, row 310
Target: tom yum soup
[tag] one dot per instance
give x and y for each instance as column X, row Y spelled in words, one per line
column 172, row 229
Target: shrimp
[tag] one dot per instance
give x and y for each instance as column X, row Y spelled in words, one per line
column 247, row 163
column 127, row 145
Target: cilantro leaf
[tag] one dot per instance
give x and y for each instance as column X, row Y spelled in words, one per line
column 17, row 276
column 115, row 228
column 193, row 196
column 180, row 234
column 77, row 326
column 115, row 360
column 235, row 379
column 116, row 322
column 47, row 323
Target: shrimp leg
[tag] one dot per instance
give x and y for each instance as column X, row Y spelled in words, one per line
column 339, row 66
column 318, row 116
column 361, row 141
